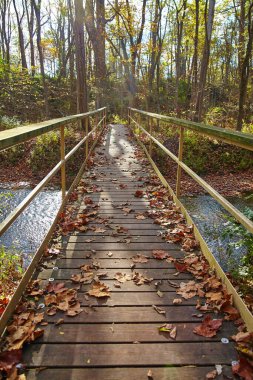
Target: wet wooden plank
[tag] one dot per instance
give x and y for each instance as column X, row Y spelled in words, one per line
column 141, row 246
column 134, row 299
column 157, row 274
column 113, row 232
column 164, row 373
column 106, row 355
column 131, row 314
column 78, row 239
column 112, row 263
column 69, row 254
column 129, row 333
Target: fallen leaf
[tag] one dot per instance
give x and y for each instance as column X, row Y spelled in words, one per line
column 243, row 337
column 159, row 310
column 159, row 254
column 140, row 279
column 140, row 217
column 99, row 290
column 8, row 359
column 243, row 369
column 212, row 374
column 139, row 258
column 169, row 328
column 122, row 277
column 177, row 301
column 159, row 293
column 208, row 327
column 138, row 194
column 150, row 375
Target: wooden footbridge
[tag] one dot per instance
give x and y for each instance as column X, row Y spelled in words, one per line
column 130, row 321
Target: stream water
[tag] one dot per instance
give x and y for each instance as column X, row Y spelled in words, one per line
column 28, row 230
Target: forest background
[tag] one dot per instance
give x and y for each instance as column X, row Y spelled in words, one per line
column 190, row 58
column 186, row 58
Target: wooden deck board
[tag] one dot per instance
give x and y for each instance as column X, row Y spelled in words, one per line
column 117, row 338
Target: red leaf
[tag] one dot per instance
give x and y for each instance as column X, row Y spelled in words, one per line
column 180, row 267
column 208, row 327
column 9, row 358
column 243, row 369
column 138, row 194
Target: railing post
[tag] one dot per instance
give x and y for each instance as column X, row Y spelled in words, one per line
column 104, row 117
column 138, row 123
column 150, row 132
column 180, row 156
column 86, row 134
column 63, row 167
column 96, row 123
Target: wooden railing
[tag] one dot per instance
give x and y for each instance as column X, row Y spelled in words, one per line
column 239, row 139
column 20, row 135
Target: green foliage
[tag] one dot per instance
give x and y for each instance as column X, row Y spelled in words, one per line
column 240, row 239
column 116, row 119
column 46, row 151
column 7, row 122
column 11, row 268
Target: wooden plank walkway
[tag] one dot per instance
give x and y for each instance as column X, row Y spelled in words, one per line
column 117, row 338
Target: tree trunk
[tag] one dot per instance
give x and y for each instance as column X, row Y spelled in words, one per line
column 245, row 71
column 205, row 60
column 82, row 99
column 37, row 11
column 96, row 33
column 195, row 55
column 20, row 36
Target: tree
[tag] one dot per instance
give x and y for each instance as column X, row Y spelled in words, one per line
column 82, row 99
column 95, row 25
column 209, row 16
column 245, row 70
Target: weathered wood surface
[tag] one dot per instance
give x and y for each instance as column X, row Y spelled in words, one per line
column 117, row 338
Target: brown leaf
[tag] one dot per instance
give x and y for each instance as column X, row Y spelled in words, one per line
column 127, row 210
column 177, row 301
column 122, row 277
column 159, row 310
column 50, row 299
column 150, row 375
column 159, row 254
column 74, row 310
column 208, row 327
column 140, row 216
column 243, row 337
column 212, row 374
column 140, row 258
column 99, row 290
column 55, row 287
column 140, row 279
column 52, row 311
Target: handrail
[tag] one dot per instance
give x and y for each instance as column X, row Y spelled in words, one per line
column 243, row 140
column 219, row 198
column 21, row 134
column 238, row 301
column 14, row 136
